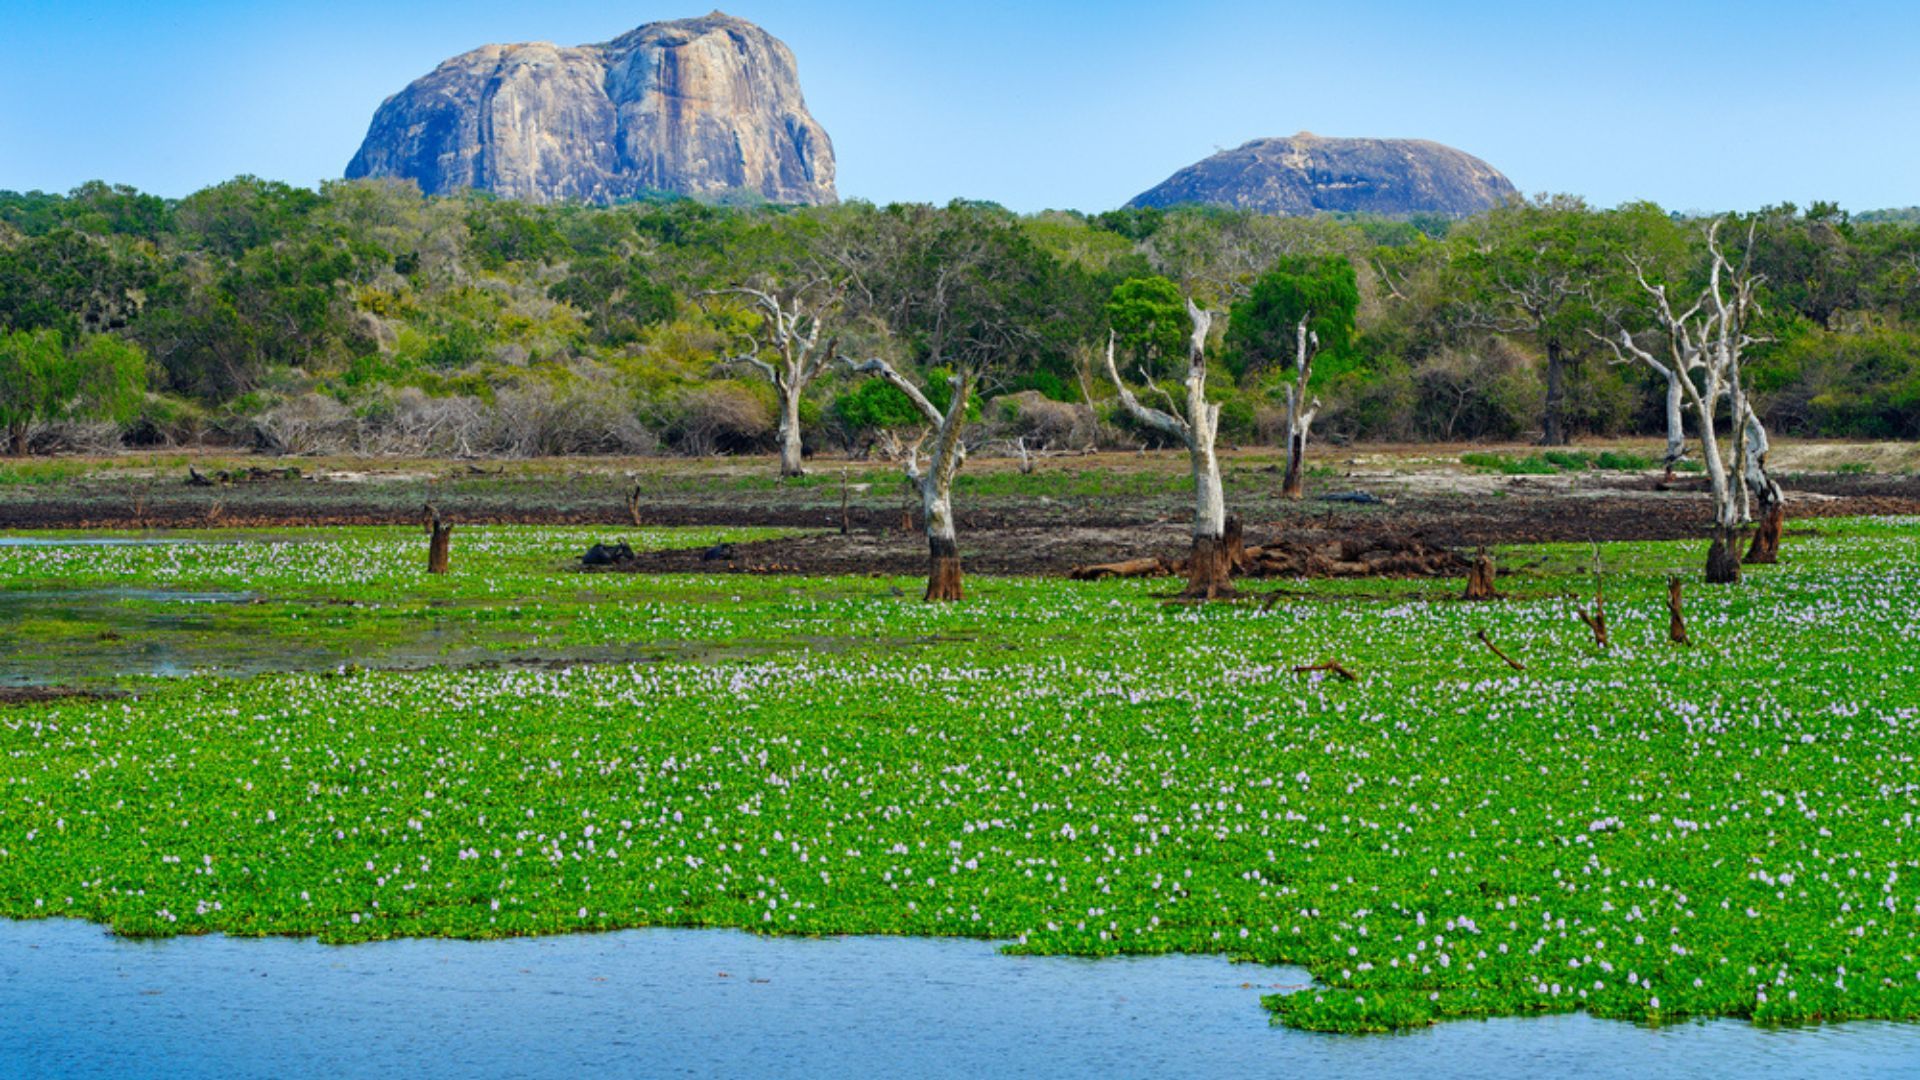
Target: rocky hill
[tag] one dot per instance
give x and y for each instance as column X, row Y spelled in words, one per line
column 1307, row 174
column 704, row 107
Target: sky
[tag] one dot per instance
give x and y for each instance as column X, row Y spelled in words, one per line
column 1694, row 104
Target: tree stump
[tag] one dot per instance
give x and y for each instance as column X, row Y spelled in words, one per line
column 943, row 570
column 439, row 542
column 1765, row 549
column 1236, row 543
column 1723, row 566
column 1676, row 621
column 1480, row 578
column 1209, row 570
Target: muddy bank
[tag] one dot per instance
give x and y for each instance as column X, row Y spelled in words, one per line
column 1002, row 542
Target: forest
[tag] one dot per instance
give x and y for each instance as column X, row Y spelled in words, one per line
column 364, row 318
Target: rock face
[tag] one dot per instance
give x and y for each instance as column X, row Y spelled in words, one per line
column 1307, row 174
column 704, row 107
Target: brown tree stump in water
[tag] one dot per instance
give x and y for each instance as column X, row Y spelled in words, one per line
column 1723, row 566
column 1676, row 621
column 1236, row 544
column 1765, row 548
column 439, row 542
column 943, row 570
column 1209, row 570
column 1480, row 578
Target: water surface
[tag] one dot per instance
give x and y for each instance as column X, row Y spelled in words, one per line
column 75, row 1001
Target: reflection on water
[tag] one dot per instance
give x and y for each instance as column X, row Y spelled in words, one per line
column 76, row 1002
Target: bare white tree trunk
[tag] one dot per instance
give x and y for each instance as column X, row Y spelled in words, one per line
column 790, row 443
column 1710, row 338
column 1210, row 565
column 1300, row 414
column 935, row 480
column 792, row 334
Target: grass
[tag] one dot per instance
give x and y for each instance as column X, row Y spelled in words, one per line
column 1552, row 462
column 41, row 473
column 1646, row 832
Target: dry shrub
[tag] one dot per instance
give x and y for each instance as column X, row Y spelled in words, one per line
column 1043, row 422
column 74, row 437
column 581, row 418
column 720, row 418
column 410, row 423
column 308, row 424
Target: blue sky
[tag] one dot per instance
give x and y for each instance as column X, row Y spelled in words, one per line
column 1697, row 105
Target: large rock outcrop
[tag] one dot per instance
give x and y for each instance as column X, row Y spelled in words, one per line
column 706, row 107
column 1308, row 174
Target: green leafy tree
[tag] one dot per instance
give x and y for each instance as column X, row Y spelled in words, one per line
column 1148, row 317
column 1526, row 269
column 1302, row 308
column 40, row 380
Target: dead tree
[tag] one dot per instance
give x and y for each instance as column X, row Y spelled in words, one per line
column 935, row 480
column 1209, row 566
column 1709, row 339
column 439, row 542
column 1300, row 414
column 1676, row 619
column 790, row 333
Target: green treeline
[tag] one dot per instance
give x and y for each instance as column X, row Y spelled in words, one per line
column 363, row 317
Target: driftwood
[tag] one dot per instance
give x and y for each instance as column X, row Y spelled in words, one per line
column 1392, row 556
column 1677, row 620
column 1596, row 619
column 1333, row 666
column 1126, row 568
column 1488, row 642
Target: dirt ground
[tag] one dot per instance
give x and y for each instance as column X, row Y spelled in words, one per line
column 1002, row 544
column 1074, row 511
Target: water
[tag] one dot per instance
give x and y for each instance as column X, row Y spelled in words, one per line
column 75, row 1001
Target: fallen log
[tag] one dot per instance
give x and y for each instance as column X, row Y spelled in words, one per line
column 1327, row 665
column 1126, row 568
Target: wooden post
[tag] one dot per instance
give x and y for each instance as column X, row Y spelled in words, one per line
column 440, row 541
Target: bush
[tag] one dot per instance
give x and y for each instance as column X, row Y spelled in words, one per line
column 161, row 420
column 725, row 417
column 582, row 417
column 1042, row 421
